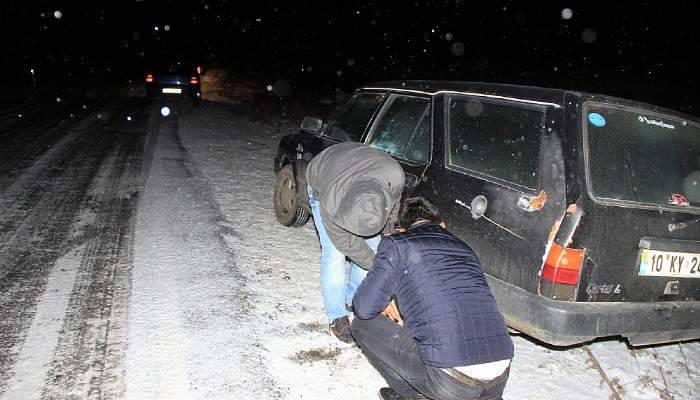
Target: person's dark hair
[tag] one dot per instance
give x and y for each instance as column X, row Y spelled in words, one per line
column 416, row 209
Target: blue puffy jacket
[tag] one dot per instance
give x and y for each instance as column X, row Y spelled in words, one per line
column 442, row 295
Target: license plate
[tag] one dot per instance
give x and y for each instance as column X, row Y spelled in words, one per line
column 172, row 90
column 669, row 263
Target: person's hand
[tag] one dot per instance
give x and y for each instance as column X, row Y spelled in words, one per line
column 400, row 229
column 392, row 312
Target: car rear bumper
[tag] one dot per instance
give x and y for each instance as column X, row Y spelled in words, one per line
column 563, row 323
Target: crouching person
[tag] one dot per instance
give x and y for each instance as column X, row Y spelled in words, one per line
column 452, row 341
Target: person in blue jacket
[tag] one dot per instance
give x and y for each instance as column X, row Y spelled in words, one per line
column 450, row 340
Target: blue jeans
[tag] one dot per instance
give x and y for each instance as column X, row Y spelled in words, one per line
column 336, row 292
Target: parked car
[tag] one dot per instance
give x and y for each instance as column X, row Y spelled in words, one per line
column 582, row 208
column 174, row 79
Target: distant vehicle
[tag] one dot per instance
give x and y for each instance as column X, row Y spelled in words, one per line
column 584, row 209
column 174, row 80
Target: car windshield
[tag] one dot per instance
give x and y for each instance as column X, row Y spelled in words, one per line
column 643, row 157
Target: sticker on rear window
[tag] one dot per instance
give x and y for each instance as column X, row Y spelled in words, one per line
column 650, row 121
column 596, row 119
column 678, row 200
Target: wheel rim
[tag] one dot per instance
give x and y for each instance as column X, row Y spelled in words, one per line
column 286, row 196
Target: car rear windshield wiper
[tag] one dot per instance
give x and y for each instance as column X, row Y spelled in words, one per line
column 681, row 225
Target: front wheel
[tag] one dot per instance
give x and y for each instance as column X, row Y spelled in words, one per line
column 287, row 210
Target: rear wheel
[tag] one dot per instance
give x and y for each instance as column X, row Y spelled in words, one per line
column 287, row 210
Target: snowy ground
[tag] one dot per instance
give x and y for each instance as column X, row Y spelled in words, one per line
column 232, row 153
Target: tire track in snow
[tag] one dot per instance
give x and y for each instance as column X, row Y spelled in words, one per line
column 36, row 216
column 88, row 360
column 280, row 263
column 189, row 308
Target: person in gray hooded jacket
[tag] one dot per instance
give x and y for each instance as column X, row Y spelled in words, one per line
column 354, row 194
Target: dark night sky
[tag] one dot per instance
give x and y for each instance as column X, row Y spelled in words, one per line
column 641, row 50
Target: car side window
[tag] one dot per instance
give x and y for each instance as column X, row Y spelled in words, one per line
column 350, row 122
column 403, row 128
column 501, row 140
column 418, row 148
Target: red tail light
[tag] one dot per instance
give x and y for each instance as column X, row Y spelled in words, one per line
column 194, row 80
column 562, row 265
column 149, row 78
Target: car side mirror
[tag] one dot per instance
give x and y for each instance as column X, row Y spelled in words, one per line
column 312, row 125
column 411, row 181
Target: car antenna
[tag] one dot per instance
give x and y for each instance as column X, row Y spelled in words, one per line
column 489, row 219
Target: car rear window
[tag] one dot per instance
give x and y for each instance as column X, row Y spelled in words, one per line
column 170, row 67
column 642, row 157
column 500, row 140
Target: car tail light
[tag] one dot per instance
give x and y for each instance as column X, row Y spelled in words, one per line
column 194, row 80
column 149, row 78
column 562, row 265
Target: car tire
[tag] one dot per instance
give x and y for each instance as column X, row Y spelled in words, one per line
column 287, row 210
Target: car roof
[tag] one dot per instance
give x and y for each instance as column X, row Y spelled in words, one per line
column 167, row 66
column 539, row 94
column 534, row 94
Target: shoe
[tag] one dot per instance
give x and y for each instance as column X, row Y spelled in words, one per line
column 388, row 393
column 349, row 307
column 340, row 327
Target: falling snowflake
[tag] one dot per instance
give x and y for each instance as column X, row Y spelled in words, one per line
column 589, row 35
column 457, row 48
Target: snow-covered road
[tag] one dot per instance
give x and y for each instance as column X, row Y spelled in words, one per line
column 205, row 296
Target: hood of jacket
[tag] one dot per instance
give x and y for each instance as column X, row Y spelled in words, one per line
column 364, row 209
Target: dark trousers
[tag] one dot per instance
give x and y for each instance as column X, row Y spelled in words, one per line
column 392, row 350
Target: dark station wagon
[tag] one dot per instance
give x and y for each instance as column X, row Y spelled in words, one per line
column 582, row 208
